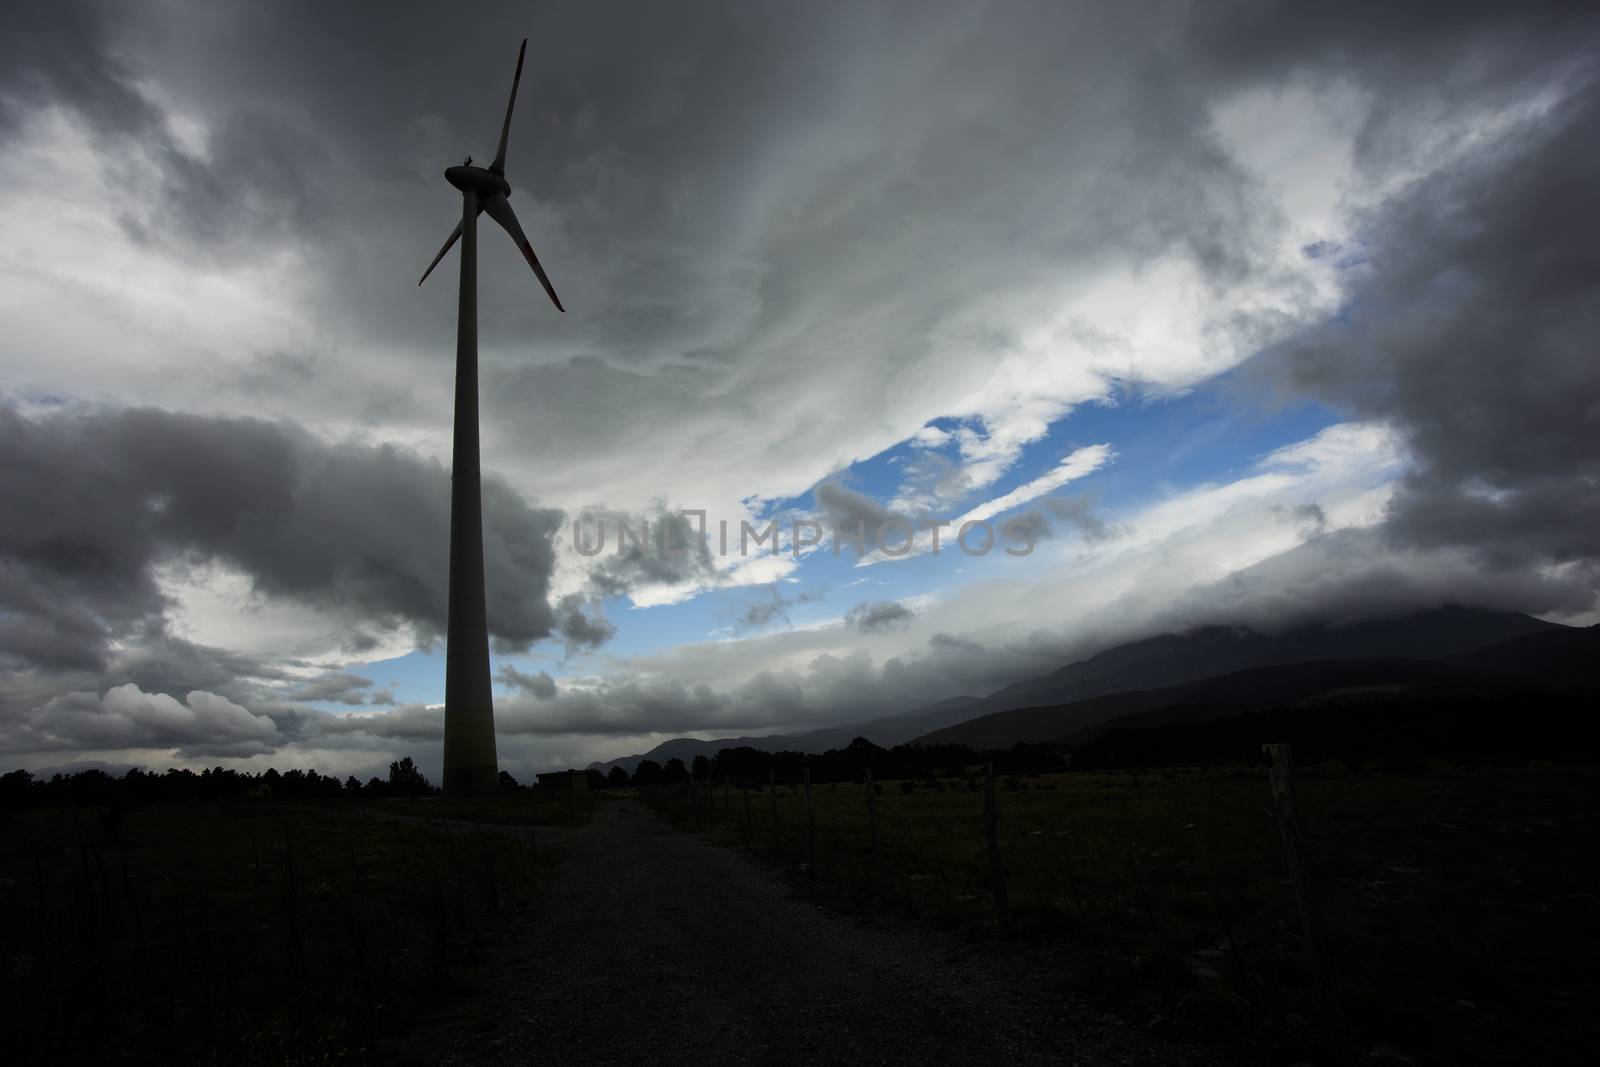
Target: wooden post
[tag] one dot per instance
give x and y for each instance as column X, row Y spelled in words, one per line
column 1281, row 777
column 872, row 823
column 991, row 831
column 749, row 834
column 811, row 828
column 772, row 790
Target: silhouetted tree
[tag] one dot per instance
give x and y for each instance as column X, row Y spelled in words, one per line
column 648, row 773
column 92, row 786
column 405, row 780
column 860, row 755
column 702, row 769
column 618, row 778
column 747, row 766
column 675, row 773
column 16, row 789
column 352, row 785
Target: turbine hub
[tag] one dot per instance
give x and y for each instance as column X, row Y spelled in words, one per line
column 480, row 180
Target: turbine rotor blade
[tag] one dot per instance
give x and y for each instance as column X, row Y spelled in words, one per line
column 499, row 208
column 499, row 164
column 455, row 235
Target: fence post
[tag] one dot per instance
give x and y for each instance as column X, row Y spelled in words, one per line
column 991, row 831
column 772, row 790
column 811, row 828
column 749, row 835
column 1281, row 778
column 872, row 825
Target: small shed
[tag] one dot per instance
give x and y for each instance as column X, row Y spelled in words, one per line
column 565, row 781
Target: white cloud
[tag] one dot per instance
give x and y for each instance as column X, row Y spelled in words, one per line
column 1073, row 466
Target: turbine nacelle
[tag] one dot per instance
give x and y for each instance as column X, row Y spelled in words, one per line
column 480, row 180
column 489, row 186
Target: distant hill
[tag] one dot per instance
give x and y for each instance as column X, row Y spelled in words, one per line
column 687, row 748
column 1562, row 658
column 1171, row 659
column 1553, row 659
column 888, row 731
column 1466, row 723
column 1284, row 683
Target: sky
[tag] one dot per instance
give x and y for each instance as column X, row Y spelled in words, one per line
column 1238, row 312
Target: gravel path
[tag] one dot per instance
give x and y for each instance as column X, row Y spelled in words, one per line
column 649, row 945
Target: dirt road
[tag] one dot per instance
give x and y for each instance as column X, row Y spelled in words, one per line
column 649, row 945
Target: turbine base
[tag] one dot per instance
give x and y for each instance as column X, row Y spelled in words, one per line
column 482, row 780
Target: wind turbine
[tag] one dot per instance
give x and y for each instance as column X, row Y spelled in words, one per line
column 470, row 765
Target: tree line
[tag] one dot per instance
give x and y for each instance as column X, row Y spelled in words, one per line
column 733, row 766
column 20, row 788
column 746, row 766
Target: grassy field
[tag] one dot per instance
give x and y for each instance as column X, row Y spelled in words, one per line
column 244, row 932
column 1460, row 903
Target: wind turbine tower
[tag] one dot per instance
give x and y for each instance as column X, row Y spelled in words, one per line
column 470, row 764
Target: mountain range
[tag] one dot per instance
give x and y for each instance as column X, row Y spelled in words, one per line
column 1214, row 671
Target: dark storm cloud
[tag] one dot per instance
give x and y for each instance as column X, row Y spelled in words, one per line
column 658, row 547
column 159, row 661
column 758, row 614
column 408, row 723
column 1417, row 57
column 339, row 687
column 1354, row 574
column 1077, row 513
column 952, row 641
column 62, row 54
column 539, row 685
column 618, row 707
column 260, row 182
column 97, row 499
column 1473, row 331
column 1057, row 513
column 1028, row 527
column 324, row 121
column 1470, row 322
column 712, row 190
column 878, row 616
column 579, row 624
column 1308, row 517
column 849, row 516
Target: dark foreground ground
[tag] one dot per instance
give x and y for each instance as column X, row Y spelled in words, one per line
column 649, row 945
column 1150, row 919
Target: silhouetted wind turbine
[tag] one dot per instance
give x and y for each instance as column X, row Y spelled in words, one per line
column 470, row 765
